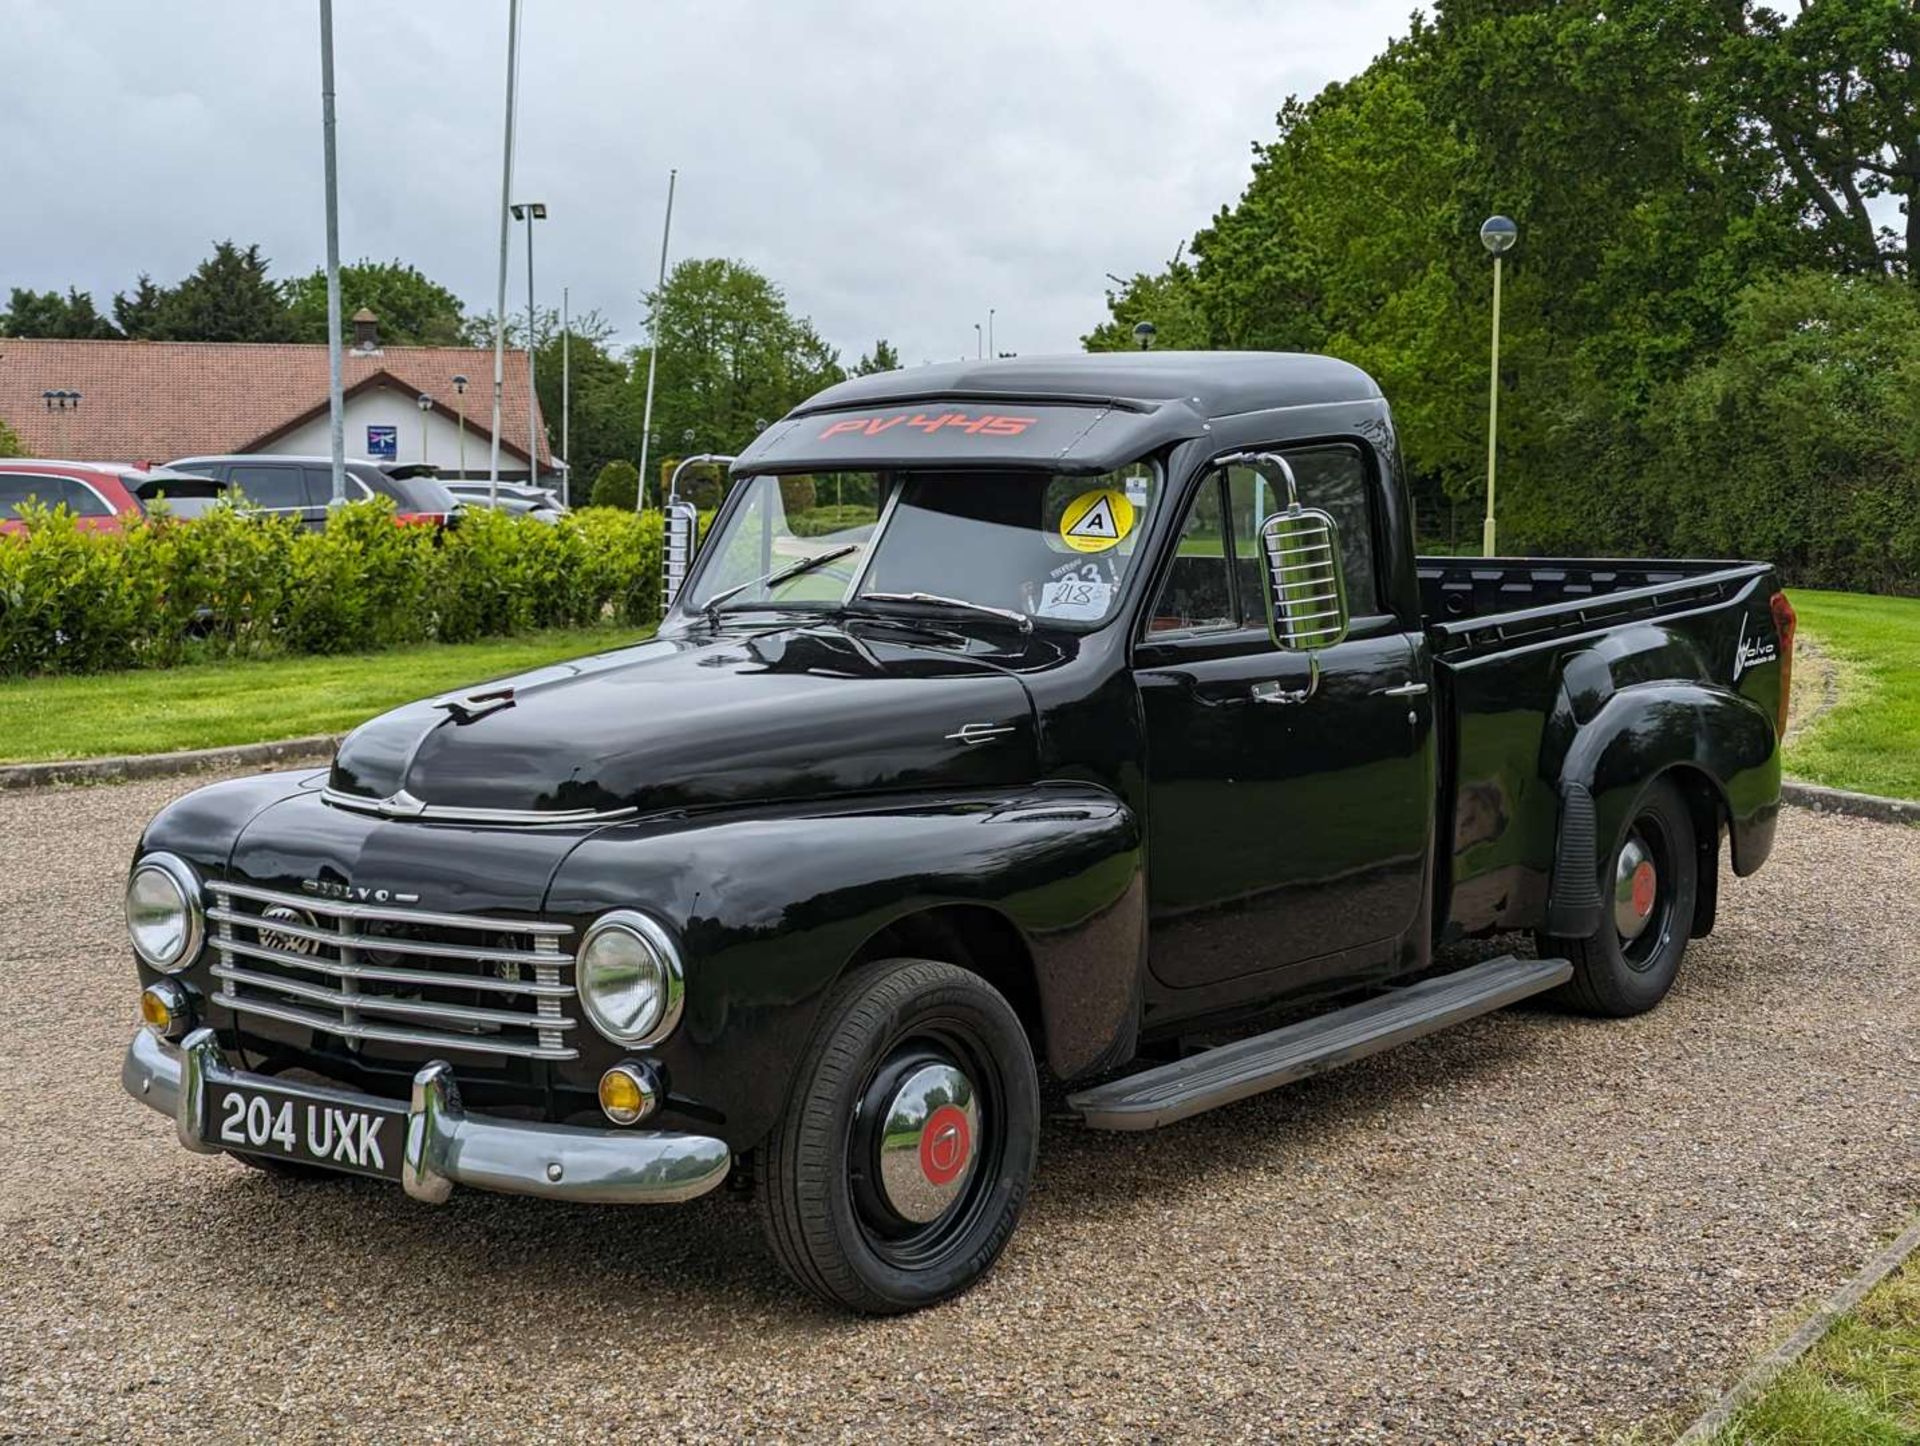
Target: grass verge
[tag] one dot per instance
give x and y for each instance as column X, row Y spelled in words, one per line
column 1860, row 1386
column 208, row 705
column 1870, row 739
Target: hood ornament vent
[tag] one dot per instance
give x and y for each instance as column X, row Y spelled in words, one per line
column 477, row 705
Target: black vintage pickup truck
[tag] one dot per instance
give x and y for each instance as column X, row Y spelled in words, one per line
column 1091, row 715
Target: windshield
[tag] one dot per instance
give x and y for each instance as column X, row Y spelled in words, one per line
column 1050, row 549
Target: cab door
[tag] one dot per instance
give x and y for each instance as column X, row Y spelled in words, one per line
column 1289, row 814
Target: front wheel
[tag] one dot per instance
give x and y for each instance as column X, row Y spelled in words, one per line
column 899, row 1168
column 1650, row 883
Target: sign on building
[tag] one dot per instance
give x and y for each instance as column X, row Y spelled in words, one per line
column 383, row 442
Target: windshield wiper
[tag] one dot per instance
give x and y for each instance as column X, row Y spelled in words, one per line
column 934, row 599
column 777, row 576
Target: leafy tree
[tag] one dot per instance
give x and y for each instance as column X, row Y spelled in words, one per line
column 1834, row 95
column 9, row 441
column 139, row 314
column 618, row 485
column 228, row 297
column 732, row 357
column 49, row 314
column 882, row 359
column 413, row 310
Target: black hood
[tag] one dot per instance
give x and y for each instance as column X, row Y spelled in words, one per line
column 691, row 722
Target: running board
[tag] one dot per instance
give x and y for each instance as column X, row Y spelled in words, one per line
column 1219, row 1076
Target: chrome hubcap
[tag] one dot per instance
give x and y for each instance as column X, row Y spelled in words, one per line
column 928, row 1142
column 1636, row 888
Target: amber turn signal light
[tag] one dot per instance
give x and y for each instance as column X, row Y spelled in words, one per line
column 628, row 1093
column 165, row 1009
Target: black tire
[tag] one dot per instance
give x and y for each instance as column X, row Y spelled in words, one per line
column 1615, row 974
column 827, row 1201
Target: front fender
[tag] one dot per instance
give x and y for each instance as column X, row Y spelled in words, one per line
column 771, row 906
column 1639, row 733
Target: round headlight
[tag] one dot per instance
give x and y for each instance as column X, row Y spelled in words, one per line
column 629, row 978
column 163, row 911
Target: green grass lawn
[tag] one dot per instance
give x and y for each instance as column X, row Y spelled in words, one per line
column 206, row 705
column 1870, row 741
column 1860, row 1386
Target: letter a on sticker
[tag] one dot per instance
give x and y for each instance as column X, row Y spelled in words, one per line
column 1095, row 521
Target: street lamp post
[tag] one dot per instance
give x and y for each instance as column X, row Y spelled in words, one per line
column 531, row 211
column 1143, row 332
column 460, row 387
column 500, row 302
column 990, row 350
column 979, row 345
column 425, row 404
column 1497, row 234
column 566, row 400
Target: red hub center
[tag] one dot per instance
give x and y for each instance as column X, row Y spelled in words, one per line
column 1643, row 889
column 944, row 1145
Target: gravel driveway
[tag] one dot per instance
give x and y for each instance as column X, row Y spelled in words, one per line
column 1530, row 1227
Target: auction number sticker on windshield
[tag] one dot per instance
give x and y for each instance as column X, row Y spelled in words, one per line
column 1076, row 599
column 1097, row 520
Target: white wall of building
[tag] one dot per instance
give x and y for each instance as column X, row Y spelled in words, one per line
column 391, row 407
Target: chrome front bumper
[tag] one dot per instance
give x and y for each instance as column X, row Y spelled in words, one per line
column 446, row 1146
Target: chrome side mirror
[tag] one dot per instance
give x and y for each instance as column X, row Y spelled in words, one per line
column 680, row 531
column 1306, row 583
column 680, row 522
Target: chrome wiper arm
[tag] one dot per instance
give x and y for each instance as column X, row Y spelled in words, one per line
column 777, row 576
column 934, row 599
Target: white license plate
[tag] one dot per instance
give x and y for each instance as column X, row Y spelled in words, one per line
column 289, row 1125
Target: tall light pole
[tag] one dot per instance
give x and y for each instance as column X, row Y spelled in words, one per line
column 979, row 345
column 336, row 405
column 531, row 211
column 653, row 346
column 500, row 298
column 1143, row 332
column 460, row 388
column 990, row 351
column 566, row 400
column 1497, row 234
column 425, row 404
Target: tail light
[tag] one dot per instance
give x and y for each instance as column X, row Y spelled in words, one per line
column 1784, row 623
column 419, row 519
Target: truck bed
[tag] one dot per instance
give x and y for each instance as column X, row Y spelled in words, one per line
column 1506, row 634
column 1476, row 604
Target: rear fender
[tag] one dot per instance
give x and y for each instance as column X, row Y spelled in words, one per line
column 772, row 906
column 1711, row 736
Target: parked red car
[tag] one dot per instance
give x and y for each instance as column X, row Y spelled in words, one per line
column 99, row 495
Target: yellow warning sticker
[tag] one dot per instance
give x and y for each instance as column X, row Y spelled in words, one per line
column 1097, row 520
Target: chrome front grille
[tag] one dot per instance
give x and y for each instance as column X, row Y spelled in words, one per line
column 401, row 976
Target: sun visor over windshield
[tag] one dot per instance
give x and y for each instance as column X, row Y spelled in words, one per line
column 970, row 433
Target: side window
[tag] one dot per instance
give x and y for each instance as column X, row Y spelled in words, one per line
column 15, row 490
column 1334, row 479
column 271, row 486
column 1198, row 592
column 82, row 500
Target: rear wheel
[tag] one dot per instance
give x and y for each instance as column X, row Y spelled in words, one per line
column 899, row 1169
column 1650, row 884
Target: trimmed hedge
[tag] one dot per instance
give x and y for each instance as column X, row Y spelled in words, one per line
column 235, row 584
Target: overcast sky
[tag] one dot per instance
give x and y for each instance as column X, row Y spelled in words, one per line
column 896, row 167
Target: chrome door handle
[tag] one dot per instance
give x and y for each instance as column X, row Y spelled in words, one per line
column 1403, row 690
column 1269, row 690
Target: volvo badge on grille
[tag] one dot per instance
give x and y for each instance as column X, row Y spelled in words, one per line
column 356, row 893
column 271, row 938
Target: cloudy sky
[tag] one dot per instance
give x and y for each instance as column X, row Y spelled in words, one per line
column 897, row 167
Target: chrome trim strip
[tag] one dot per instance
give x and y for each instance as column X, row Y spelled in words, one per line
column 446, row 813
column 386, row 1034
column 379, row 974
column 446, row 1146
column 476, row 953
column 380, row 1004
column 341, row 909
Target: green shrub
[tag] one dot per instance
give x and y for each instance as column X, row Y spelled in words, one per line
column 618, row 485
column 823, row 520
column 233, row 583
